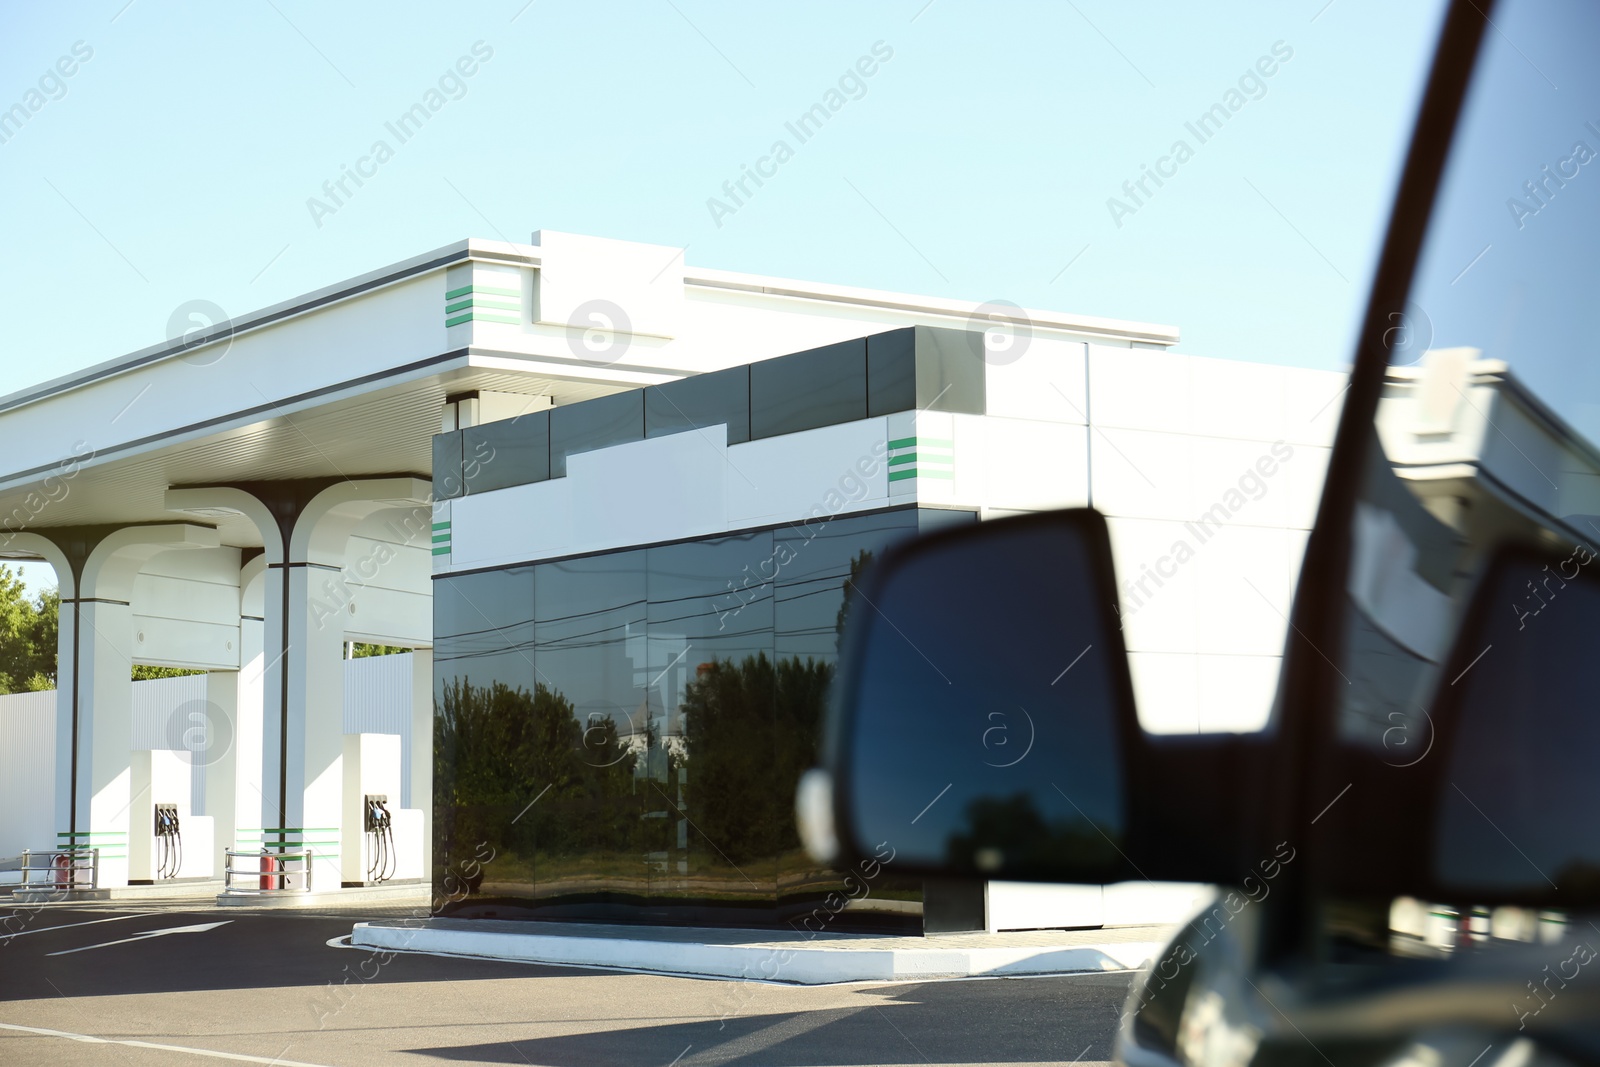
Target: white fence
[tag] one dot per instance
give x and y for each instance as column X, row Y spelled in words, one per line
column 27, row 772
column 377, row 700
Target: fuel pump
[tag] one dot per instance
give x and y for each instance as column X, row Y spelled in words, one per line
column 169, row 841
column 379, row 827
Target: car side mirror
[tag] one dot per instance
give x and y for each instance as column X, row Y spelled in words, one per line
column 1516, row 811
column 983, row 717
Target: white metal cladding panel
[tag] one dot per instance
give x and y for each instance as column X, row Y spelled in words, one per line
column 1038, row 378
column 154, row 701
column 377, row 700
column 159, row 725
column 27, row 771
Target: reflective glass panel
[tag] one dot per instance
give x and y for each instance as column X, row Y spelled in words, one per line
column 484, row 690
column 590, row 631
column 712, row 807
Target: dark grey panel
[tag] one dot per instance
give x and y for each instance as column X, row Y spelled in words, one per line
column 931, row 519
column 892, row 372
column 822, row 387
column 954, row 906
column 598, row 423
column 447, row 482
column 950, row 370
column 508, row 452
column 704, row 400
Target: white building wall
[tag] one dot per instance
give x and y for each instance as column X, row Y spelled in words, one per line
column 27, row 772
column 681, row 485
column 27, row 753
column 1205, row 606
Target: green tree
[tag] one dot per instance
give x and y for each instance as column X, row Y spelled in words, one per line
column 360, row 650
column 27, row 636
column 143, row 672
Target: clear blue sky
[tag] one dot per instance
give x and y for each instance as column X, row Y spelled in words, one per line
column 978, row 163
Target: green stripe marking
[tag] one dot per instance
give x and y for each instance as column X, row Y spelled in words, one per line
column 445, row 551
column 445, row 525
column 453, row 293
column 441, row 538
column 459, row 319
column 900, row 476
column 909, row 457
column 904, row 442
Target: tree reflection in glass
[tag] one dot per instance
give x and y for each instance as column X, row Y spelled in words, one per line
column 631, row 750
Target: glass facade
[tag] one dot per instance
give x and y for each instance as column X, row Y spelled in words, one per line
column 623, row 732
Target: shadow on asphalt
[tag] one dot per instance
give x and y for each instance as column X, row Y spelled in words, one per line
column 1076, row 1021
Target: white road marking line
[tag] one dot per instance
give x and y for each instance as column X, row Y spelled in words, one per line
column 213, row 1054
column 198, row 928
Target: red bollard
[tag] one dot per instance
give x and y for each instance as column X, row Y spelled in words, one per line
column 269, row 869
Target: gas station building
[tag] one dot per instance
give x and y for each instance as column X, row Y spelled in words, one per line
column 610, row 502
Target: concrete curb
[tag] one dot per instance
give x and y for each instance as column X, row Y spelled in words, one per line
column 388, row 893
column 176, row 889
column 58, row 896
column 801, row 962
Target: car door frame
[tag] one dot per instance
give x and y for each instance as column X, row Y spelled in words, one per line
column 1303, row 718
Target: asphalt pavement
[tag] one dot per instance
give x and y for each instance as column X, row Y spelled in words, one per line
column 118, row 985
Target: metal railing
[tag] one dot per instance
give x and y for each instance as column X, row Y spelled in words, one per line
column 267, row 873
column 60, row 869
